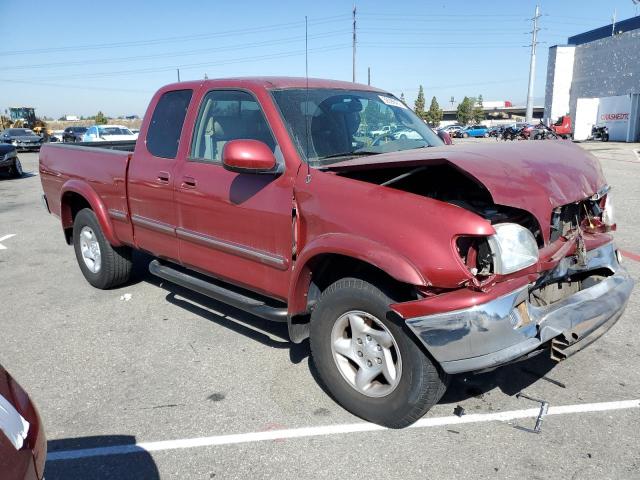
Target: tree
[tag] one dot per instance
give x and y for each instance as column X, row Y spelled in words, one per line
column 465, row 110
column 100, row 119
column 478, row 110
column 434, row 114
column 373, row 116
column 402, row 99
column 419, row 103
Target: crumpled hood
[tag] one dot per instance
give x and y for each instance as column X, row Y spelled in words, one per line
column 535, row 176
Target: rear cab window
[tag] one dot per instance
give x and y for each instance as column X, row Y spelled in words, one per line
column 165, row 128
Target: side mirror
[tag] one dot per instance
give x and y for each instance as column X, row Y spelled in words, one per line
column 248, row 156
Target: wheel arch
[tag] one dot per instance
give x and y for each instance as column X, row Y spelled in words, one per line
column 328, row 259
column 76, row 195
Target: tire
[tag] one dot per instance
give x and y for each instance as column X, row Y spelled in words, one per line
column 16, row 169
column 419, row 383
column 112, row 265
column 605, row 137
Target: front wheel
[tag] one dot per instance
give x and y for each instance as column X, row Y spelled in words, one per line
column 101, row 264
column 16, row 169
column 368, row 361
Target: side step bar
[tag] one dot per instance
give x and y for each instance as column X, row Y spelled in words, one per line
column 248, row 304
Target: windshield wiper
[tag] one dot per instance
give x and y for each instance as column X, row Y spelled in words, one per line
column 355, row 153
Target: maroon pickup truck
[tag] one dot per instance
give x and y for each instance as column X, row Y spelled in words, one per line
column 403, row 260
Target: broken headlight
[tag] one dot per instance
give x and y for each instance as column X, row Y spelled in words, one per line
column 607, row 213
column 513, row 248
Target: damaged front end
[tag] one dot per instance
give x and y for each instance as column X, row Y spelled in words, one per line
column 539, row 283
column 566, row 309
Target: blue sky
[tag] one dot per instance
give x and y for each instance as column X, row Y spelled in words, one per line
column 81, row 57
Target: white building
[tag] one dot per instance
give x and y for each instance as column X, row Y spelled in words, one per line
column 595, row 79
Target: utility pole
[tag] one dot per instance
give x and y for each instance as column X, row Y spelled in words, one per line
column 368, row 75
column 613, row 22
column 532, row 65
column 354, row 44
column 178, row 70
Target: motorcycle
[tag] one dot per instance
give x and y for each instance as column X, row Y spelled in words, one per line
column 514, row 133
column 542, row 132
column 600, row 133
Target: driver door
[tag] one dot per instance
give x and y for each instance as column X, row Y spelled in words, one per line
column 235, row 226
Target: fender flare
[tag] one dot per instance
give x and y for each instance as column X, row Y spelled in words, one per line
column 83, row 189
column 360, row 248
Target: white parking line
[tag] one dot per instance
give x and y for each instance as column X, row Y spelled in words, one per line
column 6, row 237
column 330, row 430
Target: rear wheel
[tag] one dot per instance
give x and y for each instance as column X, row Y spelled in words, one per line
column 101, row 264
column 369, row 362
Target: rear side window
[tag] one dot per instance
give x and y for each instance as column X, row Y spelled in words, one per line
column 163, row 136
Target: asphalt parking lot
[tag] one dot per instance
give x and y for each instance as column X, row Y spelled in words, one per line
column 206, row 391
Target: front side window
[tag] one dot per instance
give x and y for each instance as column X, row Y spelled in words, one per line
column 163, row 136
column 329, row 125
column 227, row 115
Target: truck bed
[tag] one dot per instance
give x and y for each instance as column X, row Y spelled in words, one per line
column 122, row 145
column 101, row 165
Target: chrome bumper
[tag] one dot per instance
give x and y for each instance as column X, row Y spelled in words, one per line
column 486, row 336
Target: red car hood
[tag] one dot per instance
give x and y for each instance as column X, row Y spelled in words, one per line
column 535, row 176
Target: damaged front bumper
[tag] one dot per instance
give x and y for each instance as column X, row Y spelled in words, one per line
column 510, row 327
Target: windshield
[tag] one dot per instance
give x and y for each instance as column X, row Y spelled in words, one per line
column 344, row 123
column 79, row 129
column 20, row 131
column 114, row 131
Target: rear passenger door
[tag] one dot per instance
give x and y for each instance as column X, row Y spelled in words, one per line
column 236, row 226
column 151, row 176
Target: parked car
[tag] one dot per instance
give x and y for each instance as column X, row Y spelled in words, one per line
column 474, row 131
column 56, row 136
column 73, row 134
column 9, row 162
column 447, row 260
column 23, row 446
column 22, row 138
column 452, row 128
column 383, row 130
column 407, row 134
column 108, row 133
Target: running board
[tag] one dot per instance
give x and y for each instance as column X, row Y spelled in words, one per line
column 248, row 304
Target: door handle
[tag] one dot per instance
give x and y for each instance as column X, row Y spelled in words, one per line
column 188, row 182
column 163, row 177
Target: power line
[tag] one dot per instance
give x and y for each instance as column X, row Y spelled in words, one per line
column 174, row 54
column 198, row 65
column 75, row 87
column 161, row 40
